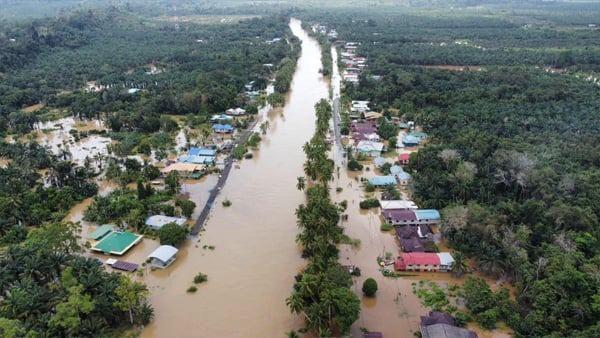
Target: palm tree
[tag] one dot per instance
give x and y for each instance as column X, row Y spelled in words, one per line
column 460, row 265
column 301, row 183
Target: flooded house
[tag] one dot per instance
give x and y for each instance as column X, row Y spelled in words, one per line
column 442, row 325
column 411, row 217
column 415, row 238
column 223, row 128
column 370, row 148
column 235, row 111
column 156, row 222
column 404, row 159
column 397, row 205
column 382, row 181
column 424, row 261
column 163, row 256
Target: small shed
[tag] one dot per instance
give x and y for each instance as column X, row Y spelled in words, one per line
column 163, row 256
column 446, row 261
column 101, row 231
column 404, row 158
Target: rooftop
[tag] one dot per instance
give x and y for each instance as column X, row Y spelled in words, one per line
column 101, row 231
column 117, row 242
column 382, row 180
column 158, row 221
column 164, row 253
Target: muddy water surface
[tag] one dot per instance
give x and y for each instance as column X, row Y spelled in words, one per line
column 251, row 270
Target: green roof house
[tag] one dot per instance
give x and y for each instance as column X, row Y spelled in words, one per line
column 101, row 231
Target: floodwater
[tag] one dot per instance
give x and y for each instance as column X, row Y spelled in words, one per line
column 252, row 267
column 395, row 311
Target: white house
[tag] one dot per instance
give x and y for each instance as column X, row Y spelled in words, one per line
column 163, row 256
column 235, row 111
column 370, row 148
column 156, row 222
column 397, row 205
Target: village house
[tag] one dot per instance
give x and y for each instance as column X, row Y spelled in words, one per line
column 403, row 159
column 235, row 111
column 370, row 148
column 220, row 118
column 156, row 222
column 397, row 205
column 415, row 238
column 372, row 115
column 403, row 178
column 360, row 106
column 410, row 141
column 382, row 181
column 182, row 168
column 442, row 325
column 163, row 256
column 424, row 261
column 411, row 216
column 223, row 128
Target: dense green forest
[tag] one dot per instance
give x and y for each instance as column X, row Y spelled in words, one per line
column 201, row 69
column 512, row 157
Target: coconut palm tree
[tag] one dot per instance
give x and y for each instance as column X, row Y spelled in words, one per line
column 460, row 265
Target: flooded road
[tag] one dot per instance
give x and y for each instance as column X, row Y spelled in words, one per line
column 252, row 268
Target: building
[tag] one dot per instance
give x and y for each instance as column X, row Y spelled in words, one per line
column 397, row 205
column 415, row 238
column 360, row 106
column 403, row 178
column 370, row 148
column 396, row 169
column 235, row 111
column 404, row 159
column 220, row 117
column 422, row 261
column 446, row 261
column 195, row 159
column 163, row 256
column 183, row 168
column 381, row 181
column 411, row 217
column 101, row 232
column 371, row 115
column 202, row 151
column 410, row 141
column 222, row 128
column 379, row 161
column 442, row 325
column 156, row 222
column 419, row 135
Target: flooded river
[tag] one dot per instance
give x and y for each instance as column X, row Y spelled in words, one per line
column 252, row 268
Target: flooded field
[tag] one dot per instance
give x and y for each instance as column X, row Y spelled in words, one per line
column 251, row 270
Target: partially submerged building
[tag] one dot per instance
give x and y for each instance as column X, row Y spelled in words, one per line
column 381, row 181
column 370, row 148
column 442, row 325
column 223, row 128
column 163, row 256
column 410, row 216
column 424, row 261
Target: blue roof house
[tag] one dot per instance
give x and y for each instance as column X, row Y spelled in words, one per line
column 380, row 181
column 429, row 215
column 197, row 159
column 202, row 151
column 410, row 141
column 403, row 178
column 222, row 128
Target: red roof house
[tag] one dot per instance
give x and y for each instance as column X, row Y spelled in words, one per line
column 404, row 158
column 417, row 261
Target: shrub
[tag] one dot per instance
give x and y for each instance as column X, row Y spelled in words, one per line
column 192, row 289
column 369, row 203
column 200, row 278
column 386, row 227
column 187, row 207
column 226, row 203
column 369, row 187
column 354, row 165
column 369, row 287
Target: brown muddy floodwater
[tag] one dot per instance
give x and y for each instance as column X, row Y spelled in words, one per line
column 251, row 270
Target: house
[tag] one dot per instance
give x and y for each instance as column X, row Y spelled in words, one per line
column 404, row 159
column 202, row 151
column 420, row 261
column 163, row 256
column 183, row 168
column 436, row 317
column 381, row 181
column 220, row 117
column 397, row 205
column 411, row 216
column 156, row 222
column 446, row 261
column 370, row 148
column 101, row 232
column 360, row 106
column 222, row 128
column 235, row 111
column 379, row 161
column 371, row 115
column 196, row 159
column 410, row 141
column 440, row 324
column 415, row 238
column 403, row 178
column 396, row 169
column 419, row 135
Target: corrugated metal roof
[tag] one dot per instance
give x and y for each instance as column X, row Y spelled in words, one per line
column 202, row 151
column 382, row 180
column 427, row 214
column 164, row 253
column 101, row 231
column 158, row 221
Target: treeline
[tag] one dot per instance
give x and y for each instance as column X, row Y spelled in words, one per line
column 48, row 289
column 322, row 291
